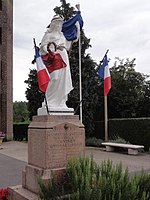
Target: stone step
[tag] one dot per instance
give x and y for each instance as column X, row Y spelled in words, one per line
column 20, row 193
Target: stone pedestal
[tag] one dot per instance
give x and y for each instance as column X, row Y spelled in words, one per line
column 52, row 140
column 108, row 148
column 55, row 111
column 133, row 151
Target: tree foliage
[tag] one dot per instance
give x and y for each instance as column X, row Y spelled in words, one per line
column 130, row 92
column 33, row 94
column 65, row 10
column 128, row 97
column 89, row 78
column 20, row 111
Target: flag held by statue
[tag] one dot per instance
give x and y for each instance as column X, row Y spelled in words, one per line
column 42, row 72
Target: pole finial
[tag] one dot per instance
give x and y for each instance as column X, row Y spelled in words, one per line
column 34, row 42
column 78, row 6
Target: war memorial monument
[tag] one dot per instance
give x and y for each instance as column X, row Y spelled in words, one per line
column 55, row 134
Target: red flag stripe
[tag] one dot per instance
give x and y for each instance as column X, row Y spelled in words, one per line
column 42, row 72
column 107, row 85
column 43, row 79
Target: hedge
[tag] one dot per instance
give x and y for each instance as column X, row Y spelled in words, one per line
column 134, row 130
column 20, row 131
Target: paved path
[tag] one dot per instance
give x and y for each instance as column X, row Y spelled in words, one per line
column 10, row 171
column 13, row 158
column 14, row 155
column 134, row 163
column 18, row 150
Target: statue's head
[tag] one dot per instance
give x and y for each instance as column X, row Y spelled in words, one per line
column 56, row 22
column 57, row 18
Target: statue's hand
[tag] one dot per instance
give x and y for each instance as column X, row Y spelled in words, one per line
column 51, row 47
column 61, row 48
column 45, row 49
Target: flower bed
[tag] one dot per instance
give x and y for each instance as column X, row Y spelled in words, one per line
column 4, row 194
column 2, row 134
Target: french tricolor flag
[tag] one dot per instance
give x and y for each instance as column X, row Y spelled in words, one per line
column 104, row 73
column 42, row 72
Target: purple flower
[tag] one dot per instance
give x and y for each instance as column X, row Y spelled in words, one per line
column 2, row 134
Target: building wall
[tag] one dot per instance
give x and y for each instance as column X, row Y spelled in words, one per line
column 6, row 67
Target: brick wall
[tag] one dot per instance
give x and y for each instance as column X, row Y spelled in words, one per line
column 6, row 67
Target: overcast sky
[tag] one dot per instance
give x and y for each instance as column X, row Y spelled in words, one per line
column 122, row 26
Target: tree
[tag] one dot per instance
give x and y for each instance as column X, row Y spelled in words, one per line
column 144, row 104
column 89, row 77
column 130, row 89
column 33, row 94
column 20, row 111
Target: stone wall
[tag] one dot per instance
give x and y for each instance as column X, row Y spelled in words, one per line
column 6, row 67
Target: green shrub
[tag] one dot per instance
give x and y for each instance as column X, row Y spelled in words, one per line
column 93, row 141
column 52, row 191
column 136, row 131
column 99, row 131
column 132, row 130
column 20, row 131
column 118, row 139
column 85, row 180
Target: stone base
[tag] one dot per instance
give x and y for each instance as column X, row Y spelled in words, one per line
column 132, row 151
column 20, row 193
column 109, row 149
column 52, row 140
column 31, row 175
column 55, row 111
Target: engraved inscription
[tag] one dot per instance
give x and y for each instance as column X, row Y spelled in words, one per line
column 63, row 142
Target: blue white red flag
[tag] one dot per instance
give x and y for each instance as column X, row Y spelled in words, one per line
column 71, row 27
column 104, row 73
column 42, row 72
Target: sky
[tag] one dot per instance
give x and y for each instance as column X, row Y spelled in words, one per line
column 122, row 26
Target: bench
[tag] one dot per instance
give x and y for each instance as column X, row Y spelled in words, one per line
column 132, row 149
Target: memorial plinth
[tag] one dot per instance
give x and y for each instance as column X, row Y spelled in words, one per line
column 52, row 140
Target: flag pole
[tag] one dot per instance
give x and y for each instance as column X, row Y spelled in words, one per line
column 105, row 105
column 46, row 104
column 41, row 91
column 106, row 111
column 106, row 118
column 80, row 78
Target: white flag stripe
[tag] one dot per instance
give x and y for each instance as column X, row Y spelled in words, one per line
column 106, row 72
column 40, row 64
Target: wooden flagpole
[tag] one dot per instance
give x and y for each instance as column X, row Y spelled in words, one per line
column 106, row 118
column 105, row 106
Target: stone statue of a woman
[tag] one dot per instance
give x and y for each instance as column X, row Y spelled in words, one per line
column 53, row 50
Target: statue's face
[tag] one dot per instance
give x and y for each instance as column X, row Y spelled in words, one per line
column 56, row 25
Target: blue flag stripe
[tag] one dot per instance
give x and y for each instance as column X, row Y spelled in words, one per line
column 102, row 67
